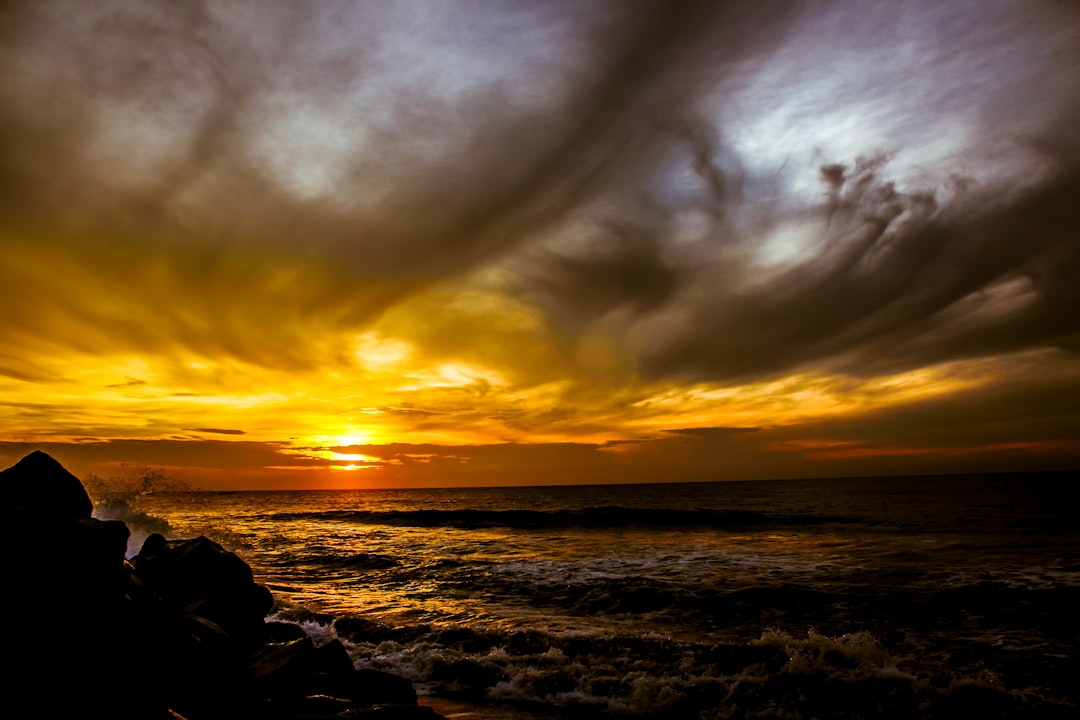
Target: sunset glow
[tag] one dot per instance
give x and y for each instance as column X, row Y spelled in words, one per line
column 445, row 253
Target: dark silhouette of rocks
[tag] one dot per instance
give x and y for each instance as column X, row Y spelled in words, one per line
column 201, row 576
column 179, row 632
column 39, row 483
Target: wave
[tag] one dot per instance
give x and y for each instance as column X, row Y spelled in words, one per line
column 357, row 561
column 778, row 674
column 611, row 516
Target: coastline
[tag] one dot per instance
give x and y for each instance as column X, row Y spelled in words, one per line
column 788, row 603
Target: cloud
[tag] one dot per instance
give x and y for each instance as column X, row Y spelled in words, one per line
column 174, row 175
column 918, row 250
column 550, row 220
column 904, row 285
column 711, row 433
column 129, row 383
column 1023, row 421
column 186, row 171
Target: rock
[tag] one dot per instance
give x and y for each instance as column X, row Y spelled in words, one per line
column 396, row 712
column 281, row 665
column 202, row 577
column 332, row 658
column 279, row 632
column 375, row 687
column 40, row 484
column 299, row 668
column 177, row 633
column 313, row 707
column 68, row 635
column 61, row 565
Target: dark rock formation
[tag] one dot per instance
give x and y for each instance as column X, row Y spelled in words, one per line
column 178, row 633
column 71, row 635
column 39, row 483
column 201, row 577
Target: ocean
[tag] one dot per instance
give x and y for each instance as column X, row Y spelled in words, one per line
column 929, row 597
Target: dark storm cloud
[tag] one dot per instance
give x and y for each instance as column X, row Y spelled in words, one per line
column 231, row 178
column 969, row 254
column 628, row 272
column 1028, row 421
column 194, row 167
column 904, row 286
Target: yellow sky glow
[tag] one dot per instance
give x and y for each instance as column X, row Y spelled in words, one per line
column 485, row 255
column 401, row 388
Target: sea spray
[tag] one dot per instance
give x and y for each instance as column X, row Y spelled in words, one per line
column 120, row 497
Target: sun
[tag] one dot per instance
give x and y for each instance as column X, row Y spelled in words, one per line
column 348, row 438
column 330, row 448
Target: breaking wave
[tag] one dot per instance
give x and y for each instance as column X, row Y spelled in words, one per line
column 780, row 674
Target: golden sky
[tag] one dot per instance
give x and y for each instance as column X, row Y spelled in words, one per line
column 267, row 245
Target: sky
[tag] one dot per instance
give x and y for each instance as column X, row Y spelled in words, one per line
column 424, row 243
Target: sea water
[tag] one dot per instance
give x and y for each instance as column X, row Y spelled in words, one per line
column 932, row 597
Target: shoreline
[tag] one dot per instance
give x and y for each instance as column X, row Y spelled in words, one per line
column 568, row 620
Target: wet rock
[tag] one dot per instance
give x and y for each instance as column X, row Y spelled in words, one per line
column 279, row 632
column 308, row 707
column 298, row 668
column 332, row 673
column 375, row 687
column 333, row 658
column 281, row 662
column 311, row 707
column 396, row 712
column 202, row 577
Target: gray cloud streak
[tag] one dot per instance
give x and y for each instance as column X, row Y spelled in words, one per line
column 219, row 163
column 969, row 257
